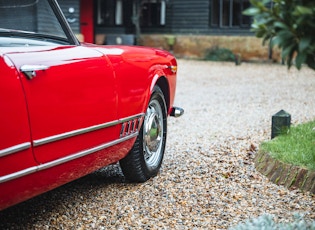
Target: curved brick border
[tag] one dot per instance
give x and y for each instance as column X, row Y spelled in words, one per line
column 284, row 174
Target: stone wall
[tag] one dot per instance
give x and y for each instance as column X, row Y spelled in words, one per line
column 194, row 46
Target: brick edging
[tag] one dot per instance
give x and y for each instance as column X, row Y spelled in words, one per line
column 285, row 174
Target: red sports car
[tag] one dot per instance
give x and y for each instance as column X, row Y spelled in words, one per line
column 70, row 108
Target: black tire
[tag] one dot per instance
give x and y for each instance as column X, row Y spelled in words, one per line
column 145, row 158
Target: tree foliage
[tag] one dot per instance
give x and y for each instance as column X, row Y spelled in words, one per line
column 289, row 24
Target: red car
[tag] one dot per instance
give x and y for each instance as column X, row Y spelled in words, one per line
column 70, row 108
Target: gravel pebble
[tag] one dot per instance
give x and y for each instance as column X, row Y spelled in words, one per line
column 208, row 179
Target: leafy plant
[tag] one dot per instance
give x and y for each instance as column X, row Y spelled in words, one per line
column 219, row 54
column 290, row 24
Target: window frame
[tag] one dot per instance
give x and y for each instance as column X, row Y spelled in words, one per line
column 161, row 12
column 218, row 14
column 116, row 13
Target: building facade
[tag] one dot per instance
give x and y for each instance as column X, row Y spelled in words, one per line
column 198, row 17
column 187, row 27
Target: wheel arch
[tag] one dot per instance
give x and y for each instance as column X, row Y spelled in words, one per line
column 164, row 86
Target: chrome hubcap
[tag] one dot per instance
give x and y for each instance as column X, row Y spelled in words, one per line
column 153, row 134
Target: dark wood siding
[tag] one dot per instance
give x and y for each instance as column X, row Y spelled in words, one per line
column 190, row 16
column 73, row 18
column 182, row 17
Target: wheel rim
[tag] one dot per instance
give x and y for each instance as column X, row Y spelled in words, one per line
column 153, row 134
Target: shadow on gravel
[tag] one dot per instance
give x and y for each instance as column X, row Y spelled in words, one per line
column 41, row 208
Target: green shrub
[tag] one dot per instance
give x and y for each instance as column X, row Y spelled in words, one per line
column 219, row 54
column 266, row 222
column 288, row 24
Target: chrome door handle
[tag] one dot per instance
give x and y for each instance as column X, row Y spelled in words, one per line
column 30, row 70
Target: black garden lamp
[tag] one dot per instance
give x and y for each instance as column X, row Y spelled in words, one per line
column 280, row 123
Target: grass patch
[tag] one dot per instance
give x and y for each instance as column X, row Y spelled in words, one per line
column 297, row 147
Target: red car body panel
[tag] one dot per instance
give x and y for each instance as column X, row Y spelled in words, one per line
column 84, row 87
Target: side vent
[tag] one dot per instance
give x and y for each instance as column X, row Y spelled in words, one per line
column 131, row 126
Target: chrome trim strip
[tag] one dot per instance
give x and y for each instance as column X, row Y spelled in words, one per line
column 122, row 131
column 131, row 117
column 84, row 153
column 131, row 125
column 18, row 174
column 72, row 157
column 62, row 136
column 14, row 149
column 58, row 137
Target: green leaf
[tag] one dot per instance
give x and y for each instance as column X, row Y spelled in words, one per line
column 281, row 25
column 260, row 32
column 302, row 10
column 276, row 41
column 288, row 51
column 266, row 1
column 300, row 59
column 304, row 44
column 286, row 37
column 252, row 11
column 256, row 3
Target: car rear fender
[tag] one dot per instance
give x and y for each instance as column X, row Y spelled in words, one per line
column 137, row 71
column 160, row 80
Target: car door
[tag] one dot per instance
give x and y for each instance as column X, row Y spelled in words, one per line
column 71, row 98
column 15, row 141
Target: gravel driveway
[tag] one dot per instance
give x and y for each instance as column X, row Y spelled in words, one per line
column 208, row 179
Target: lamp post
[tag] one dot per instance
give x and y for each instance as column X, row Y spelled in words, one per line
column 280, row 124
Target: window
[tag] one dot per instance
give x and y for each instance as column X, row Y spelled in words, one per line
column 31, row 16
column 228, row 13
column 110, row 12
column 153, row 13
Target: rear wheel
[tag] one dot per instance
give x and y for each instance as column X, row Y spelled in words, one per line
column 145, row 158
